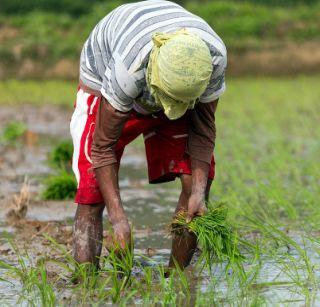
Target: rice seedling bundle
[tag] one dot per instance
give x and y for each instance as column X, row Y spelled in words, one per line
column 215, row 236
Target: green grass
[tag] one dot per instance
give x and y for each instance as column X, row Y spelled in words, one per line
column 61, row 93
column 12, row 131
column 36, row 289
column 62, row 185
column 61, row 155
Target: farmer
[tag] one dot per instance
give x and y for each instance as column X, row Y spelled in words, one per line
column 149, row 68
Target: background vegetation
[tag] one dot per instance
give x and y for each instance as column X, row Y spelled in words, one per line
column 47, row 31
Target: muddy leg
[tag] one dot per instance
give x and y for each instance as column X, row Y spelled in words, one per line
column 184, row 245
column 88, row 231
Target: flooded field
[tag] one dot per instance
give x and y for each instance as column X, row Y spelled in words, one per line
column 267, row 174
column 148, row 208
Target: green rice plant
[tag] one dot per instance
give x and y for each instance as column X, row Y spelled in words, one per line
column 12, row 132
column 291, row 256
column 146, row 285
column 168, row 294
column 182, row 285
column 207, row 298
column 121, row 262
column 217, row 239
column 61, row 155
column 94, row 285
column 36, row 288
column 87, row 281
column 302, row 256
column 61, row 186
column 118, row 265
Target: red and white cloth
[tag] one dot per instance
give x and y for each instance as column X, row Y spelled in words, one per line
column 165, row 144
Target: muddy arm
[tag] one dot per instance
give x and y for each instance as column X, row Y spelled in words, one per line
column 201, row 143
column 109, row 125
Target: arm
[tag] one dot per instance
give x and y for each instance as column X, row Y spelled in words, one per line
column 201, row 143
column 109, row 125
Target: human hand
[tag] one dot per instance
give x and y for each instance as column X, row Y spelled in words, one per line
column 122, row 234
column 196, row 207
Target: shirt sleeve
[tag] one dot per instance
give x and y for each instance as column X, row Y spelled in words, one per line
column 202, row 131
column 109, row 124
column 118, row 86
column 217, row 84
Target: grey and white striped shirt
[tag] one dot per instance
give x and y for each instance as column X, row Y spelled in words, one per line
column 115, row 56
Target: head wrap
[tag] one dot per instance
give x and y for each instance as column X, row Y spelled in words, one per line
column 178, row 72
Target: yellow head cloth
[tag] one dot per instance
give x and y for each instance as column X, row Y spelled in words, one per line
column 178, row 71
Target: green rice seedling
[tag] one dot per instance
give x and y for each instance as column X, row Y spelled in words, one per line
column 61, row 186
column 36, row 288
column 301, row 250
column 154, row 288
column 90, row 284
column 251, row 274
column 121, row 261
column 215, row 235
column 174, row 289
column 61, row 155
column 12, row 132
column 290, row 256
column 168, row 294
column 87, row 276
column 147, row 272
column 119, row 264
column 94, row 285
column 146, row 285
column 183, row 285
column 207, row 298
column 44, row 289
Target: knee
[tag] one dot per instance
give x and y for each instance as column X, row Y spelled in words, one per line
column 90, row 210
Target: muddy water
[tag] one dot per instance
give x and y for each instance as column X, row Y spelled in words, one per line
column 149, row 207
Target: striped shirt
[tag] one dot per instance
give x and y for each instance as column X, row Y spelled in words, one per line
column 115, row 56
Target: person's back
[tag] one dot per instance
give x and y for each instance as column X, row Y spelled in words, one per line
column 115, row 56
